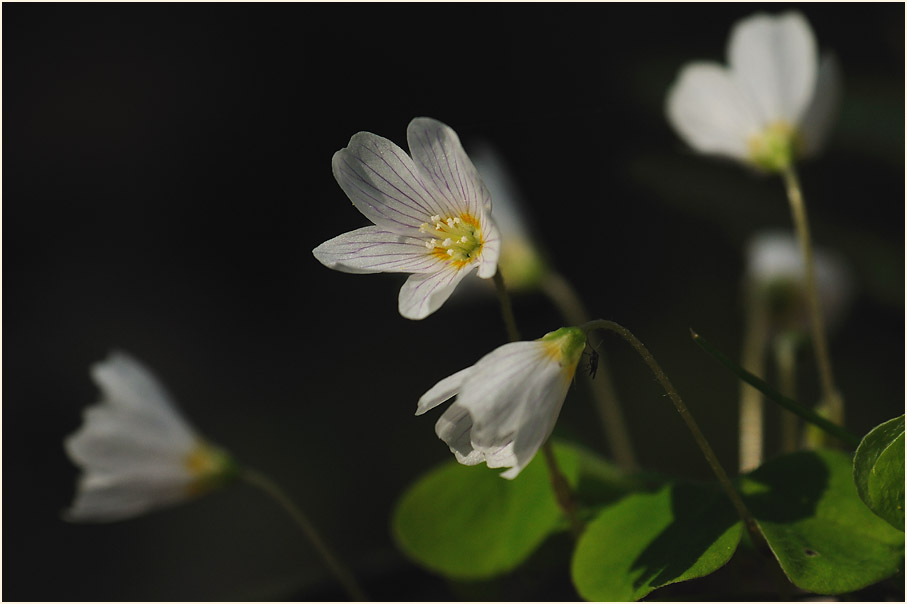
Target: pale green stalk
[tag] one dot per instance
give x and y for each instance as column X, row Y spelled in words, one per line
column 785, row 348
column 260, row 481
column 751, row 421
column 831, row 398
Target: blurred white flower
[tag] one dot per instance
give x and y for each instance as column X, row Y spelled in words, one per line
column 508, row 402
column 135, row 450
column 431, row 211
column 770, row 105
column 520, row 262
column 775, row 271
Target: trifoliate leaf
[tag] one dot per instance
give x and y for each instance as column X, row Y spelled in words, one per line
column 649, row 540
column 825, row 539
column 878, row 471
column 467, row 522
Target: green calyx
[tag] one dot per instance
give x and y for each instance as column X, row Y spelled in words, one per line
column 774, row 148
column 571, row 341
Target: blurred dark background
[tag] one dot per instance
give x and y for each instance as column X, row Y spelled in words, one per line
column 166, row 174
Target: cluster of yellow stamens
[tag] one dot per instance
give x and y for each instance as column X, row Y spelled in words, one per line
column 455, row 238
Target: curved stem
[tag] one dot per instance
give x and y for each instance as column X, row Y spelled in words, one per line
column 831, row 397
column 700, row 439
column 260, row 481
column 559, row 484
column 564, row 296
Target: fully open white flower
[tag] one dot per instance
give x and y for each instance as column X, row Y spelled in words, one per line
column 771, row 104
column 431, row 214
column 508, row 402
column 136, row 451
column 775, row 272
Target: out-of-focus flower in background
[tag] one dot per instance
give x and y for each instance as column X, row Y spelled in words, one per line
column 775, row 275
column 772, row 104
column 136, row 451
column 521, row 262
column 508, row 402
column 431, row 214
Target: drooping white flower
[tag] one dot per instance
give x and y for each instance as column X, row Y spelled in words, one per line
column 136, row 451
column 775, row 272
column 508, row 402
column 771, row 104
column 431, row 214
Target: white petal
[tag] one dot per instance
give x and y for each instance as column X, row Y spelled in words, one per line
column 112, row 439
column 104, row 499
column 491, row 248
column 710, row 112
column 125, row 382
column 423, row 294
column 514, row 396
column 437, row 151
column 454, row 427
column 774, row 60
column 819, row 116
column 375, row 250
column 442, row 391
column 384, row 184
column 508, row 205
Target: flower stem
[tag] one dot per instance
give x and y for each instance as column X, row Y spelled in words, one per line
column 260, row 481
column 700, row 439
column 562, row 491
column 751, row 422
column 564, row 296
column 506, row 308
column 775, row 396
column 785, row 349
column 831, row 397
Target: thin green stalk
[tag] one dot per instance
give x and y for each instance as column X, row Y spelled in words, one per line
column 260, row 481
column 506, row 308
column 748, row 520
column 831, row 397
column 564, row 296
column 559, row 484
column 785, row 348
column 751, row 422
column 789, row 404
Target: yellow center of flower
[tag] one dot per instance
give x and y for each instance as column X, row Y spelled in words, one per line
column 208, row 467
column 456, row 239
column 774, row 148
column 565, row 345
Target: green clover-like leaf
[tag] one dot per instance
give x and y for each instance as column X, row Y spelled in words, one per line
column 878, row 471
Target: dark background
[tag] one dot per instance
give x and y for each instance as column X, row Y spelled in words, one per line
column 166, row 174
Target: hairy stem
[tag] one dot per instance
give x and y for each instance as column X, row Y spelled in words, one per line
column 565, row 298
column 700, row 439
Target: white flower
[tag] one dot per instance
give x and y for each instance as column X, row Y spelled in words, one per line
column 508, row 402
column 771, row 104
column 136, row 451
column 432, row 214
column 775, row 269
